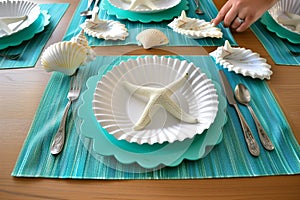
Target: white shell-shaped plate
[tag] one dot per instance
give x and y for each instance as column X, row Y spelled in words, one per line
column 160, row 5
column 15, row 8
column 117, row 111
column 105, row 29
column 152, row 38
column 195, row 28
column 279, row 9
column 242, row 61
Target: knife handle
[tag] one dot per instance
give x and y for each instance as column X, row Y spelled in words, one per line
column 250, row 140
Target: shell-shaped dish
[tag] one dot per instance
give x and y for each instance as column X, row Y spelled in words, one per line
column 152, row 38
column 194, row 28
column 18, row 8
column 64, row 57
column 287, row 15
column 117, row 110
column 144, row 6
column 104, row 29
column 242, row 61
column 67, row 56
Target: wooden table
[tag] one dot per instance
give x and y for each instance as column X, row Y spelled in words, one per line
column 21, row 91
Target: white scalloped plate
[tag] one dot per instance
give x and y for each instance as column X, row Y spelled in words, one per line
column 104, row 29
column 242, row 61
column 279, row 9
column 194, row 27
column 161, row 5
column 117, row 110
column 17, row 9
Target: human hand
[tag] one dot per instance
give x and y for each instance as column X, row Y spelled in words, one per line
column 240, row 14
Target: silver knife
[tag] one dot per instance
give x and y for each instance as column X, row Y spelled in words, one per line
column 250, row 140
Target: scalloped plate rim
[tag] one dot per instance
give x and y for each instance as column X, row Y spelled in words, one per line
column 85, row 111
column 174, row 3
column 162, row 64
column 183, row 6
column 36, row 6
column 40, row 27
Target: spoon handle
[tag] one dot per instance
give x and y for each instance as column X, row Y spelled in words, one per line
column 264, row 138
column 250, row 140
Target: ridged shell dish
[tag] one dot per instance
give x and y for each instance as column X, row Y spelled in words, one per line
column 117, row 110
column 194, row 28
column 151, row 38
column 15, row 8
column 242, row 61
column 144, row 6
column 287, row 14
column 67, row 56
column 104, row 29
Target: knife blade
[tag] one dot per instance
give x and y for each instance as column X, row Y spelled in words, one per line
column 249, row 138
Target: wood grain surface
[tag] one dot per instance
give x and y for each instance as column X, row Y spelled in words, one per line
column 22, row 89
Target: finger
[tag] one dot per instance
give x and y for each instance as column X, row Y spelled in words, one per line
column 230, row 17
column 243, row 27
column 221, row 15
column 236, row 23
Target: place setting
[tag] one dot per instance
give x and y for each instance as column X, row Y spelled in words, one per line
column 279, row 32
column 116, row 15
column 25, row 27
column 156, row 117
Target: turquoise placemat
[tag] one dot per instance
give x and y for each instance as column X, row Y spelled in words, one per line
column 277, row 47
column 31, row 49
column 230, row 158
column 136, row 27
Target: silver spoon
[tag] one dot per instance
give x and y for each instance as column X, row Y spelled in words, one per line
column 87, row 12
column 243, row 96
column 11, row 56
column 198, row 10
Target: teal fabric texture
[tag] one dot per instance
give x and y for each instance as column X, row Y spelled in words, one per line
column 229, row 158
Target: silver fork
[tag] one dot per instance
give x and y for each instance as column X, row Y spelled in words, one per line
column 198, row 10
column 59, row 138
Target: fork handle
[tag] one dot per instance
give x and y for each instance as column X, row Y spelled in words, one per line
column 59, row 138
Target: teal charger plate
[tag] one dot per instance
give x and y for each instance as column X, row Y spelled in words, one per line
column 281, row 32
column 145, row 17
column 147, row 156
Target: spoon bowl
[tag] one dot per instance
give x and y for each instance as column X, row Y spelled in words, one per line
column 243, row 96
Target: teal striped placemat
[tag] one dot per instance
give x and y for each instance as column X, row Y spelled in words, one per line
column 228, row 159
column 277, row 47
column 32, row 48
column 136, row 27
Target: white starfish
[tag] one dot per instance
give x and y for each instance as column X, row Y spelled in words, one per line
column 136, row 3
column 161, row 97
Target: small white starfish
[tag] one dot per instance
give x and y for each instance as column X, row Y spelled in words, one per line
column 136, row 3
column 161, row 97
